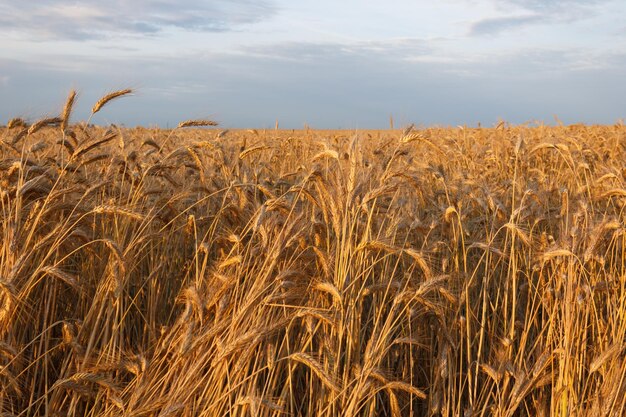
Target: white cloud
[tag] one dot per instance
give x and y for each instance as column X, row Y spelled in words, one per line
column 517, row 14
column 550, row 5
column 334, row 85
column 89, row 19
column 328, row 64
column 491, row 26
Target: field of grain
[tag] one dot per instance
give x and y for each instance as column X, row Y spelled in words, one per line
column 200, row 272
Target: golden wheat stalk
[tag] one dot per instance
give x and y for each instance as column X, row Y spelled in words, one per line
column 331, row 289
column 328, row 153
column 110, row 209
column 196, row 123
column 16, row 122
column 403, row 386
column 605, row 356
column 253, row 149
column 233, row 260
column 107, row 98
column 47, row 122
column 67, row 110
column 317, row 369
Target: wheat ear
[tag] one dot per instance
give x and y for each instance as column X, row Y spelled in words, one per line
column 111, row 96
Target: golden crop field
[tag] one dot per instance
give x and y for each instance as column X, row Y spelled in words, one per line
column 201, row 272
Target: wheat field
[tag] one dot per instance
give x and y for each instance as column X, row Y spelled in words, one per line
column 201, row 272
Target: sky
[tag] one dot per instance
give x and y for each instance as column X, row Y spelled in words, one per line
column 325, row 63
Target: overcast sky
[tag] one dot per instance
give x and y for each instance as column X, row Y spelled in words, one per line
column 327, row 63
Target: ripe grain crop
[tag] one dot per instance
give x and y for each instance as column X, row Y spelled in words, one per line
column 108, row 97
column 430, row 272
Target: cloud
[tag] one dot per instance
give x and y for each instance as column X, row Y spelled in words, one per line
column 91, row 19
column 350, row 85
column 319, row 53
column 558, row 10
column 533, row 12
column 552, row 5
column 501, row 24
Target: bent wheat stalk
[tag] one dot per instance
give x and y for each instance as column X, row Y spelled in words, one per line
column 107, row 98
